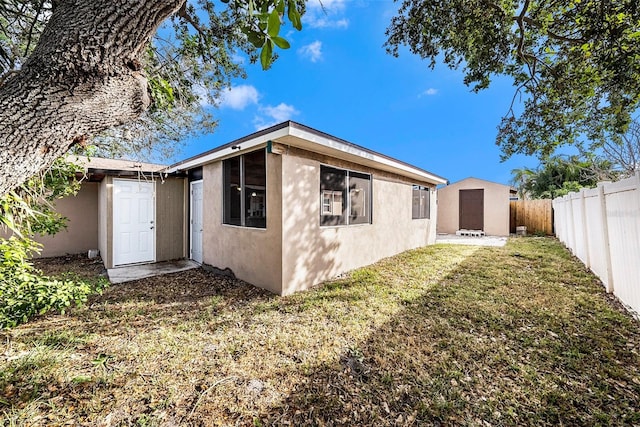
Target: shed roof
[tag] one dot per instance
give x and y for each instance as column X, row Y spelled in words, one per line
column 97, row 167
column 511, row 189
column 297, row 135
column 100, row 163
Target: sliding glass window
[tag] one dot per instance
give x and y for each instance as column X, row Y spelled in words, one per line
column 345, row 197
column 245, row 179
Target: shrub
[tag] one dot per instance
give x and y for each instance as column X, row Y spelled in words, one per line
column 25, row 292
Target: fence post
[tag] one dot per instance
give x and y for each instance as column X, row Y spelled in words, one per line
column 572, row 244
column 585, row 228
column 605, row 237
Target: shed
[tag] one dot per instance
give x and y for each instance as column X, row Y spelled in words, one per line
column 474, row 204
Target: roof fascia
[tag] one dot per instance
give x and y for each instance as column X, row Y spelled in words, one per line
column 337, row 148
column 391, row 164
column 230, row 149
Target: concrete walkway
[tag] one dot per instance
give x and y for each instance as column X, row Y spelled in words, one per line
column 473, row 241
column 140, row 271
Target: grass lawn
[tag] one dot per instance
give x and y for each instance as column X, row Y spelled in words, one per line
column 444, row 335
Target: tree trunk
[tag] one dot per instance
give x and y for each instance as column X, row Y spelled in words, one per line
column 83, row 77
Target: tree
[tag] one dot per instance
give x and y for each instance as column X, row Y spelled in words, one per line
column 559, row 175
column 73, row 69
column 574, row 63
column 625, row 153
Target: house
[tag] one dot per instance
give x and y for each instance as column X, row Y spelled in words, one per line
column 474, row 204
column 284, row 208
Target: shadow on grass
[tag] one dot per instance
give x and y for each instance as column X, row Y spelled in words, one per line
column 537, row 343
column 509, row 336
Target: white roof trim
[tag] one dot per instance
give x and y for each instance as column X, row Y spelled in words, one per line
column 376, row 158
column 228, row 151
column 338, row 147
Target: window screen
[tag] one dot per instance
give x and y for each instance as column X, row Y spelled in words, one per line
column 332, row 193
column 359, row 198
column 421, row 202
column 245, row 179
column 345, row 197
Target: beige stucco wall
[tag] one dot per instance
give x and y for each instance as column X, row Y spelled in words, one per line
column 253, row 254
column 170, row 215
column 81, row 233
column 496, row 206
column 312, row 254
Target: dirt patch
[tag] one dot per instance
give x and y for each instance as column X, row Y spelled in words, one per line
column 86, row 268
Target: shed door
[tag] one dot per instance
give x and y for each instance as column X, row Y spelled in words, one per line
column 196, row 221
column 133, row 222
column 472, row 209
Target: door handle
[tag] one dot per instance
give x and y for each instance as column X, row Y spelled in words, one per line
column 151, row 228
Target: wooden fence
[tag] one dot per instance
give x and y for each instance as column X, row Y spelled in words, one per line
column 601, row 226
column 536, row 215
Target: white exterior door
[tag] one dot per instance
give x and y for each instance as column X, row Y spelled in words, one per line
column 196, row 221
column 133, row 221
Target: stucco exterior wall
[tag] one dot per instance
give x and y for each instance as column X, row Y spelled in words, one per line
column 253, row 254
column 81, row 233
column 496, row 206
column 170, row 219
column 312, row 254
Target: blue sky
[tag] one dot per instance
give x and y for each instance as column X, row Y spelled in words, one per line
column 338, row 78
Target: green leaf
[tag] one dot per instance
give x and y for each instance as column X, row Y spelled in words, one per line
column 273, row 27
column 294, row 15
column 265, row 54
column 255, row 38
column 280, row 42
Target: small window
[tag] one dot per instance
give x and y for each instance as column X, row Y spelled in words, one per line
column 342, row 207
column 421, row 202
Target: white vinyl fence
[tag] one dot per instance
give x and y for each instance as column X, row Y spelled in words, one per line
column 601, row 226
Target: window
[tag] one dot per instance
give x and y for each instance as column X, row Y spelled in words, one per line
column 421, row 202
column 345, row 197
column 245, row 179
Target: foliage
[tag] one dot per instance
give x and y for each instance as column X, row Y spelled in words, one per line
column 25, row 292
column 189, row 63
column 575, row 65
column 560, row 175
column 29, row 210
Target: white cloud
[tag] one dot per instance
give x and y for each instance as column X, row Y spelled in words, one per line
column 239, row 97
column 429, row 92
column 274, row 115
column 312, row 51
column 325, row 14
column 326, row 22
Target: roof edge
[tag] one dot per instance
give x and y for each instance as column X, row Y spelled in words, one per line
column 291, row 128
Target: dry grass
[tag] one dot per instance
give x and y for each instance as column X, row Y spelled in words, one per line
column 445, row 335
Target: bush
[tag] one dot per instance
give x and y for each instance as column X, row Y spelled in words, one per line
column 25, row 292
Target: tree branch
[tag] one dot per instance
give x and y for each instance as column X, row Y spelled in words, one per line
column 550, row 33
column 183, row 13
